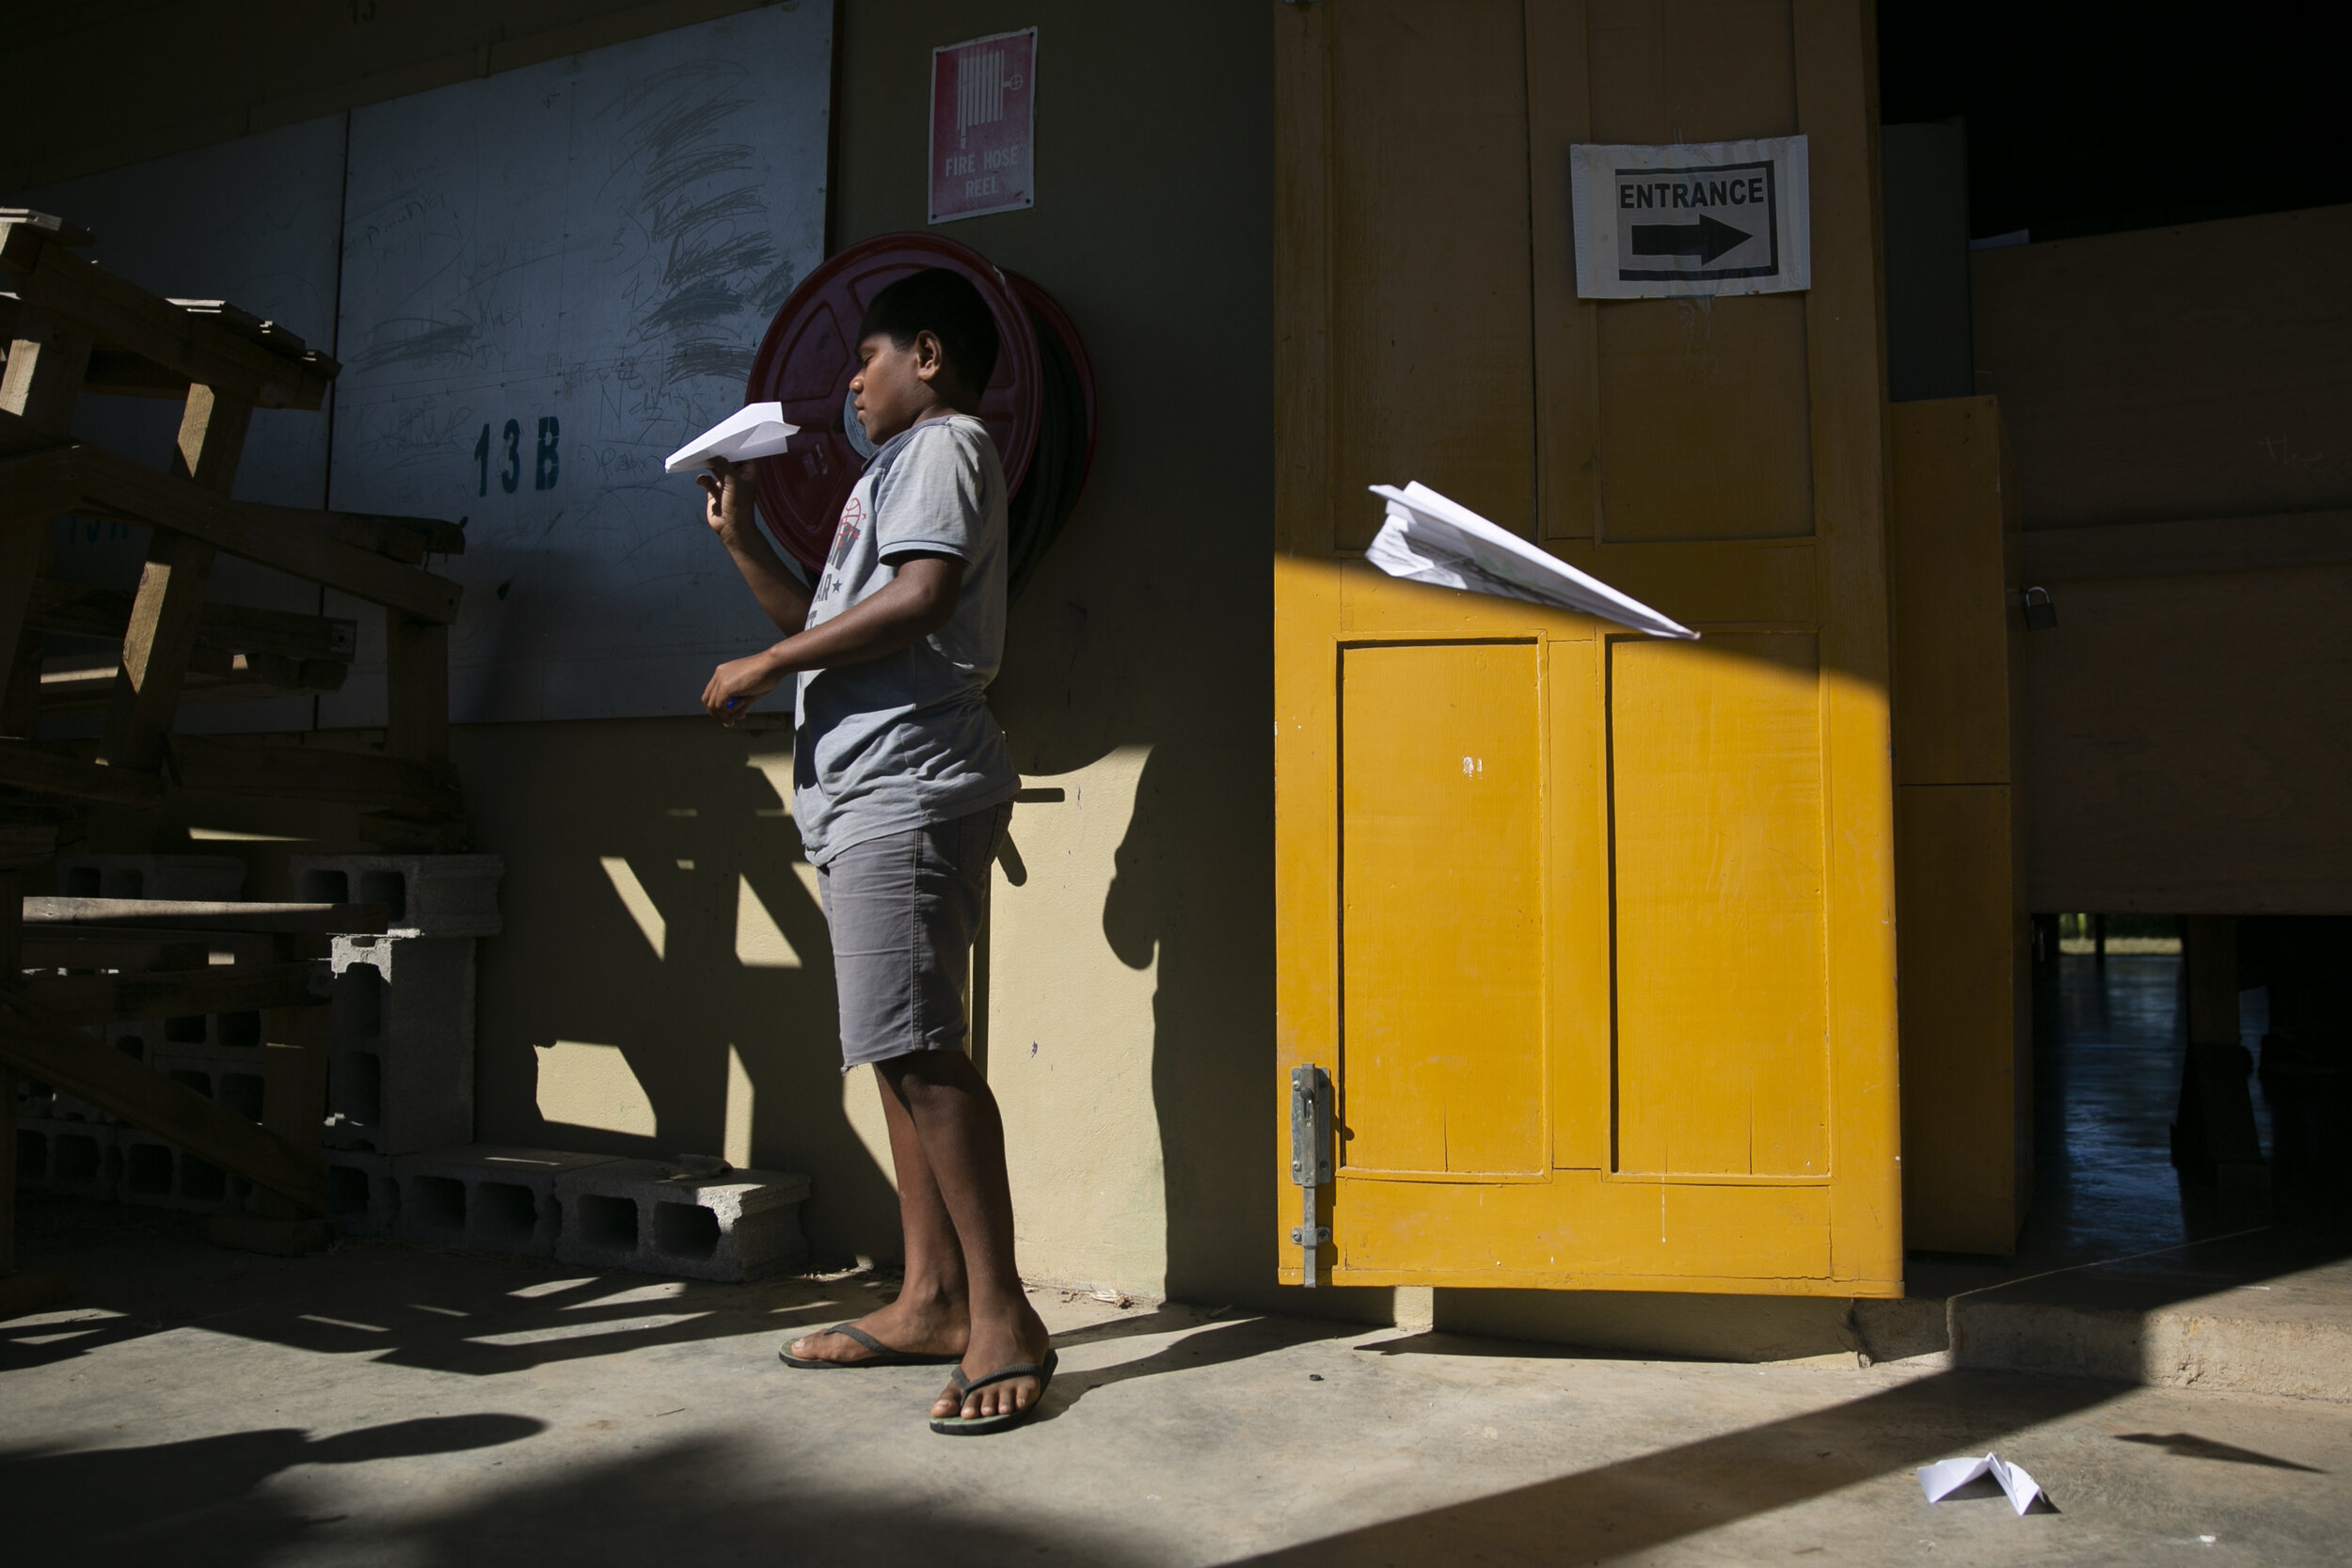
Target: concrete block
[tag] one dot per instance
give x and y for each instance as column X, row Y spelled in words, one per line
column 160, row 1174
column 34, row 1102
column 231, row 1074
column 493, row 1196
column 145, row 1036
column 400, row 1070
column 205, row 877
column 638, row 1214
column 74, row 1158
column 362, row 1194
column 424, row 896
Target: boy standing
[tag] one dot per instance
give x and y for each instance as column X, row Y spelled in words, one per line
column 902, row 789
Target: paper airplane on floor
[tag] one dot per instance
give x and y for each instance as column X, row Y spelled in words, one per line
column 1429, row 538
column 758, row 430
column 1945, row 1477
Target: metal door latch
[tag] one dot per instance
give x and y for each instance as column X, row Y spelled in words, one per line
column 1310, row 1161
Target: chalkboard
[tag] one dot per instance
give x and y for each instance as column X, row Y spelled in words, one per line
column 553, row 278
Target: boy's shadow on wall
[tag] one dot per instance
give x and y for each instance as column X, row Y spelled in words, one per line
column 700, row 832
column 1194, row 882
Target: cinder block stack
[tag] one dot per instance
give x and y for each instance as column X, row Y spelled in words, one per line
column 600, row 1213
column 399, row 1071
column 647, row 1215
column 362, row 1196
column 213, row 879
column 485, row 1196
column 66, row 1146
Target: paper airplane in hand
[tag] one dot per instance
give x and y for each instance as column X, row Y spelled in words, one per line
column 756, row 431
column 1431, row 539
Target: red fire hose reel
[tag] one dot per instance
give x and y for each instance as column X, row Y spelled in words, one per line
column 1039, row 405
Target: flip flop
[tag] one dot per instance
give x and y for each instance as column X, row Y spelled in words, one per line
column 980, row 1426
column 883, row 1355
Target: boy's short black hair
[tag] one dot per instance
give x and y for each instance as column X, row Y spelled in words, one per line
column 945, row 305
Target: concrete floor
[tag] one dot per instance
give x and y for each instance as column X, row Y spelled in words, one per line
column 384, row 1404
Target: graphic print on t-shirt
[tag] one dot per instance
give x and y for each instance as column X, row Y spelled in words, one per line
column 844, row 537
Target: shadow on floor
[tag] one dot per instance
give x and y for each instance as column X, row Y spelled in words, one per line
column 66, row 1501
column 1639, row 1504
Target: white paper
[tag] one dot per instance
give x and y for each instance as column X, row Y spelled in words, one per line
column 1431, row 539
column 758, row 430
column 1943, row 1478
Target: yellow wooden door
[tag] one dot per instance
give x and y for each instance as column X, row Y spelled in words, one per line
column 1593, row 934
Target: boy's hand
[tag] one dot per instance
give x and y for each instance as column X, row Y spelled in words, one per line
column 727, row 496
column 736, row 684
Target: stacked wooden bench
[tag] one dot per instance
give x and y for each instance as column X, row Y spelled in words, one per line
column 73, row 329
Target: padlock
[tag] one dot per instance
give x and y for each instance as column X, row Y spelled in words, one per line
column 2040, row 615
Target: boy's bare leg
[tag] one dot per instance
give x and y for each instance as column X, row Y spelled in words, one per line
column 963, row 1142
column 929, row 1316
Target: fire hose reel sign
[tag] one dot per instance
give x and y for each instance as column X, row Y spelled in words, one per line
column 1711, row 218
column 983, row 94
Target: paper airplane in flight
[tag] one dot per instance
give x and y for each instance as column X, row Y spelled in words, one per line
column 1429, row 538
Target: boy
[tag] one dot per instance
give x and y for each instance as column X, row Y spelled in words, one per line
column 903, row 789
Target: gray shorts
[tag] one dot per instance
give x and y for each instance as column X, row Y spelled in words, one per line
column 904, row 910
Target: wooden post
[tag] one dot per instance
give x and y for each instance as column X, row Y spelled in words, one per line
column 41, row 385
column 417, row 670
column 2214, row 1137
column 46, row 364
column 161, row 636
column 416, row 729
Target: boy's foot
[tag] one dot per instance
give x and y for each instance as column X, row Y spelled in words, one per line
column 993, row 1348
column 905, row 1328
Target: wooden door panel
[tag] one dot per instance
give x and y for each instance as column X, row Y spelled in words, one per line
column 1750, row 582
column 1441, row 907
column 1691, row 70
column 1715, row 787
column 1581, row 1229
column 1705, row 429
column 1576, row 813
column 1613, row 1009
column 1431, row 364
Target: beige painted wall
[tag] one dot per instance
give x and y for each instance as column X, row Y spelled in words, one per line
column 1128, row 1010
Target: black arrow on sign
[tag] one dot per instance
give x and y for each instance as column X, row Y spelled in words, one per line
column 1706, row 239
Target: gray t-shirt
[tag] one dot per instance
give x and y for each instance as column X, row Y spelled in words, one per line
column 907, row 740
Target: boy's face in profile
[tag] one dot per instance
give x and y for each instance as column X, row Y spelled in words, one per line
column 895, row 386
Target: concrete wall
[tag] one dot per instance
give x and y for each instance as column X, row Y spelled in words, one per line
column 663, row 982
column 2182, row 466
column 1129, row 1007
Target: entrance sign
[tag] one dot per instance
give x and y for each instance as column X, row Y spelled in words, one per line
column 982, row 97
column 1716, row 219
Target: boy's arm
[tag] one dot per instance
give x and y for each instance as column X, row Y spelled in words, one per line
column 913, row 604
column 727, row 508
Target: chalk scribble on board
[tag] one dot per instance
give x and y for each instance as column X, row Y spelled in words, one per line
column 552, row 277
